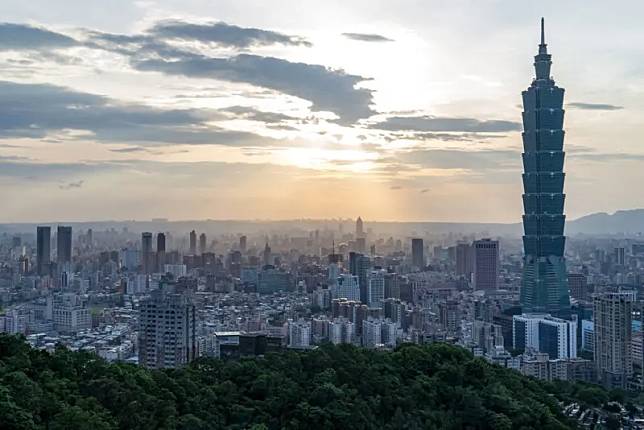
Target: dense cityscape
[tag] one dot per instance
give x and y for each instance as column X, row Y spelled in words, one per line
column 162, row 294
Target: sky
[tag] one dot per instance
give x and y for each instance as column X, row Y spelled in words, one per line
column 255, row 109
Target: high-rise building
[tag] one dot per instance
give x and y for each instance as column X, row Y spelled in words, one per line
column 464, row 260
column 544, row 333
column 578, row 284
column 359, row 266
column 167, row 329
column 417, row 253
column 544, row 286
column 346, row 287
column 612, row 313
column 376, row 288
column 299, row 334
column 160, row 252
column 371, row 333
column 43, row 250
column 147, row 254
column 486, row 264
column 202, row 243
column 242, row 243
column 620, row 256
column 63, row 246
column 193, row 242
column 267, row 255
column 359, row 228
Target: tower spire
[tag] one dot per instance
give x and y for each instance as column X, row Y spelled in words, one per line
column 543, row 36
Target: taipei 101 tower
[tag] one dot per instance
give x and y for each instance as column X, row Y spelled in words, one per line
column 544, row 287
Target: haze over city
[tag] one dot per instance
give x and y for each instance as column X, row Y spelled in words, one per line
column 400, row 111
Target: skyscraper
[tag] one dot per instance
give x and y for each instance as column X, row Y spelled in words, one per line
column 63, row 246
column 160, row 251
column 167, row 329
column 202, row 243
column 43, row 250
column 359, row 228
column 242, row 243
column 544, row 287
column 146, row 252
column 417, row 253
column 486, row 264
column 464, row 260
column 193, row 242
column 612, row 314
column 359, row 266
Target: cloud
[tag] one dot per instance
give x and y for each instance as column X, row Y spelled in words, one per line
column 367, row 37
column 594, row 106
column 27, row 37
column 461, row 159
column 71, row 185
column 224, row 34
column 424, row 190
column 395, row 187
column 250, row 113
column 327, row 89
column 429, row 123
column 34, row 110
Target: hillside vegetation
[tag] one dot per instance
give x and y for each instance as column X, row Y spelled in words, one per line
column 415, row 387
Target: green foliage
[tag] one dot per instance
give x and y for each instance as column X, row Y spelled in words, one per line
column 415, row 387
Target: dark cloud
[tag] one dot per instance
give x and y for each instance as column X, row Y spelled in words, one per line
column 424, row 190
column 367, row 37
column 71, row 185
column 594, row 106
column 223, row 34
column 327, row 89
column 27, row 37
column 606, row 157
column 34, row 110
column 428, row 123
column 395, row 187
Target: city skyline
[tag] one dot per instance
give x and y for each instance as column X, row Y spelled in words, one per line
column 191, row 113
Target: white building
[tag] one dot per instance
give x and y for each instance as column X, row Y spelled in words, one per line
column 341, row 330
column 389, row 333
column 546, row 334
column 299, row 334
column 371, row 333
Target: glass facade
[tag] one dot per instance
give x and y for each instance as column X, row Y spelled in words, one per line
column 545, row 286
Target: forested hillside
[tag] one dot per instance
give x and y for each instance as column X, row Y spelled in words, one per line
column 429, row 387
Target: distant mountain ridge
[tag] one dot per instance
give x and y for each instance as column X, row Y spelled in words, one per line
column 621, row 222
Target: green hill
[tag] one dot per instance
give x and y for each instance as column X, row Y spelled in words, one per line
column 415, row 387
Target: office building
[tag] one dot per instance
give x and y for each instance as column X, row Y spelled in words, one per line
column 371, row 333
column 359, row 265
column 578, row 285
column 167, row 329
column 193, row 243
column 359, row 228
column 376, row 288
column 243, row 243
column 202, row 243
column 544, row 333
column 486, row 264
column 160, row 257
column 620, row 256
column 417, row 253
column 43, row 250
column 544, row 286
column 63, row 246
column 464, row 260
column 612, row 325
column 147, row 254
column 346, row 287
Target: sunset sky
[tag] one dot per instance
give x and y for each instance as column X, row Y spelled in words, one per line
column 393, row 110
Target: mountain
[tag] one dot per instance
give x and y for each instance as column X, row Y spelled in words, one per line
column 624, row 221
column 436, row 386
